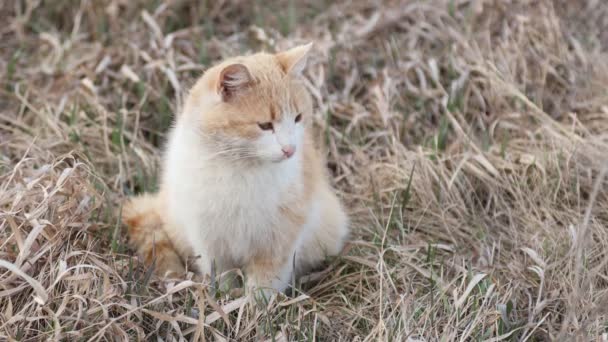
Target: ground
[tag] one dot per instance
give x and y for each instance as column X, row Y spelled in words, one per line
column 468, row 138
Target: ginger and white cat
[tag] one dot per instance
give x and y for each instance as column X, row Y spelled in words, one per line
column 243, row 183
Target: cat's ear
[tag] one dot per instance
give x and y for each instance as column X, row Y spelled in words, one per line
column 293, row 60
column 233, row 79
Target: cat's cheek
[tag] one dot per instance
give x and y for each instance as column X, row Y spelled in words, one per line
column 299, row 134
column 268, row 148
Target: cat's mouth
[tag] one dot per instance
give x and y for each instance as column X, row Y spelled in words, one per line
column 280, row 159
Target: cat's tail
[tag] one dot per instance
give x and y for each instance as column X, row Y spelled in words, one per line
column 143, row 216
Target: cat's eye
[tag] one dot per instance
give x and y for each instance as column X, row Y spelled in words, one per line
column 265, row 126
column 299, row 118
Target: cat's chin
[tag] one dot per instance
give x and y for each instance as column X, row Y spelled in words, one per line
column 263, row 161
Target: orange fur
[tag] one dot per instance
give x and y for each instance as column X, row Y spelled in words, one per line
column 148, row 234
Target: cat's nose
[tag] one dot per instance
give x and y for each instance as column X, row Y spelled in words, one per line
column 288, row 150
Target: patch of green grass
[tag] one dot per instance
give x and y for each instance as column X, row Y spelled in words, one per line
column 441, row 138
column 138, row 281
column 504, row 145
column 140, row 90
column 74, row 137
column 456, row 102
column 116, row 246
column 328, row 117
column 452, row 8
column 486, row 141
column 11, row 66
column 164, row 113
column 203, row 53
column 406, row 194
column 331, row 64
column 288, row 20
column 103, row 30
column 145, row 180
column 116, row 137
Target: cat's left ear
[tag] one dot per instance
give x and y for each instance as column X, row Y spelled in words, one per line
column 293, row 60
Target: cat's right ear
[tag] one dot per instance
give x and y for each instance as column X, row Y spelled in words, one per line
column 233, row 79
column 293, row 61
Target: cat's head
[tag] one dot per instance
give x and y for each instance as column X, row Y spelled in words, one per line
column 253, row 108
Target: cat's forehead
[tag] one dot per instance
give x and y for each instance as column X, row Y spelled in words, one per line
column 271, row 96
column 266, row 71
column 273, row 103
column 271, row 83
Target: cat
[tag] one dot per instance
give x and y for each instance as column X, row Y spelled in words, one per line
column 243, row 183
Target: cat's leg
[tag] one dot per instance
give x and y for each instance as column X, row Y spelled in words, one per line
column 268, row 274
column 214, row 266
column 326, row 232
column 203, row 262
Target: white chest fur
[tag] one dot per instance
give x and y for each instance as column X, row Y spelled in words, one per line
column 225, row 211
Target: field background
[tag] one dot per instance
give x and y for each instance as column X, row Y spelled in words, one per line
column 469, row 140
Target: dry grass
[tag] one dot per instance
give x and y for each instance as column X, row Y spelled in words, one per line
column 469, row 139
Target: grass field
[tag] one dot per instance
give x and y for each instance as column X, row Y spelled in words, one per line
column 468, row 138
